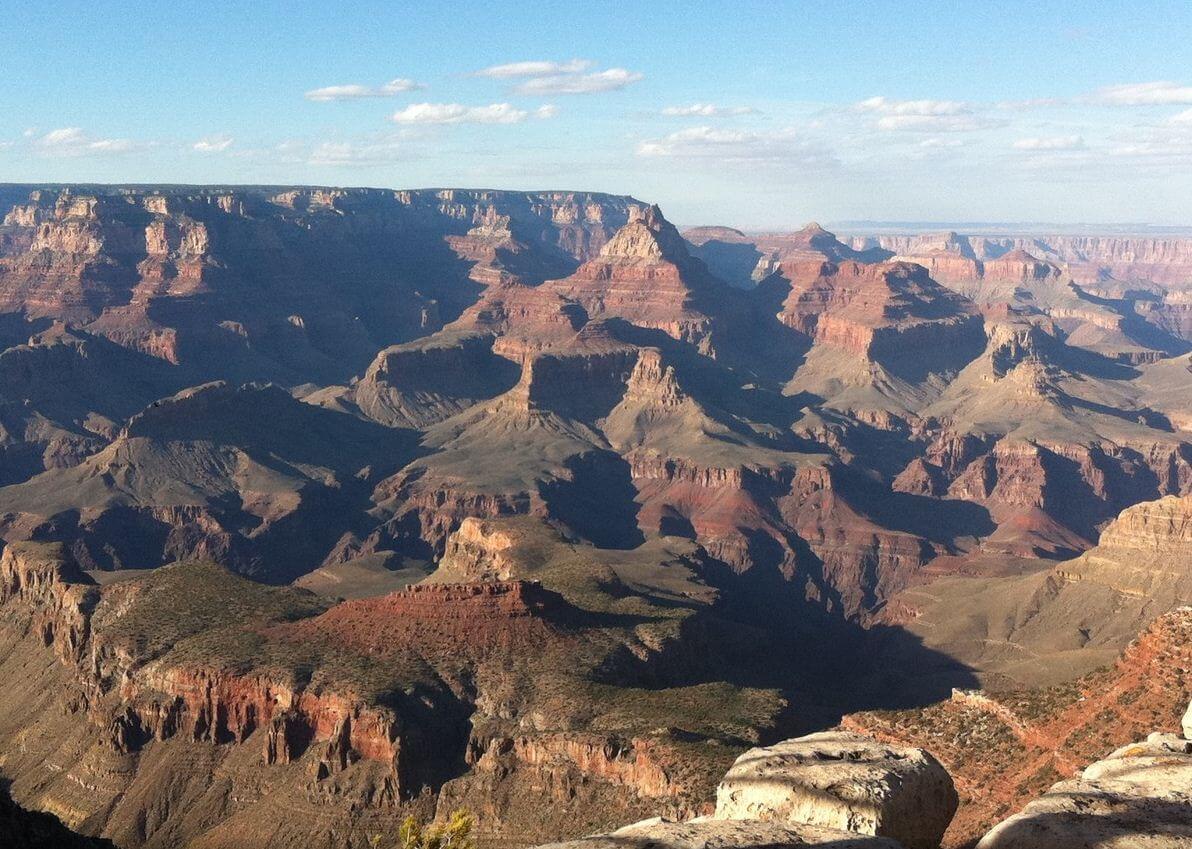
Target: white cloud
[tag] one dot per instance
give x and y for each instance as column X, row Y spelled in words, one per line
column 934, row 123
column 456, row 113
column 723, row 145
column 357, row 154
column 534, row 69
column 923, row 116
column 213, row 144
column 611, row 80
column 1177, row 148
column 1050, row 143
column 936, row 143
column 359, row 92
column 1030, row 103
column 885, row 106
column 1158, row 93
column 72, row 141
column 1184, row 117
column 706, row 110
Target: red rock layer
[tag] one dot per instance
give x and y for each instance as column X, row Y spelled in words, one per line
column 433, row 618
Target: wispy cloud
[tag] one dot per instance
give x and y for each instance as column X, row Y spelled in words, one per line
column 534, row 69
column 937, row 143
column 360, row 92
column 1182, row 118
column 213, row 144
column 722, row 145
column 1158, row 93
column 924, row 116
column 456, row 113
column 706, row 110
column 72, row 141
column 611, row 80
column 358, row 154
column 1050, row 143
column 886, row 106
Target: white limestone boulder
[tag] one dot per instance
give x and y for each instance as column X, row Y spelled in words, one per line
column 842, row 781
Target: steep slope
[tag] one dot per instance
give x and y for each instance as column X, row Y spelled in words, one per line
column 645, row 275
column 1051, row 624
column 241, row 474
column 1053, row 440
column 191, row 706
column 882, row 334
column 291, row 284
column 1005, row 747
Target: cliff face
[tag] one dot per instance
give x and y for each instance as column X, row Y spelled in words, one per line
column 349, row 714
column 335, row 274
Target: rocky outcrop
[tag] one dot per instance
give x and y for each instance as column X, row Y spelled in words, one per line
column 1005, row 746
column 645, row 275
column 57, row 595
column 1140, row 795
column 725, row 834
column 843, row 781
column 833, row 788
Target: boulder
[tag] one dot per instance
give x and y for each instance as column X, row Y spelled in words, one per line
column 1188, row 722
column 843, row 781
column 1141, row 795
column 706, row 833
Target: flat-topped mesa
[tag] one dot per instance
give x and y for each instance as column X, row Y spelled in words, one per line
column 1141, row 560
column 423, row 382
column 1022, row 266
column 470, row 619
column 577, row 383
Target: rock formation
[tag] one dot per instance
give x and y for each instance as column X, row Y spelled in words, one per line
column 1004, row 746
column 842, row 781
column 1140, row 794
column 652, row 492
column 824, row 789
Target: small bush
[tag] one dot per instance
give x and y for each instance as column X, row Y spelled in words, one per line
column 456, row 833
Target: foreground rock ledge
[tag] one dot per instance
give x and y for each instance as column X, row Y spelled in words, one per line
column 842, row 781
column 724, row 834
column 1140, row 796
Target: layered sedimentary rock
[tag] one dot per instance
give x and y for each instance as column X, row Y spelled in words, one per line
column 1129, row 258
column 645, row 275
column 651, row 480
column 1049, row 624
column 345, row 715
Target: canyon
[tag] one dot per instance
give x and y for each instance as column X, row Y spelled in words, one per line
column 324, row 506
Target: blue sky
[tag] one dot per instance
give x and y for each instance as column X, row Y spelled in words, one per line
column 758, row 114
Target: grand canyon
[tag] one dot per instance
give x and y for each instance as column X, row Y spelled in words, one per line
column 322, row 507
